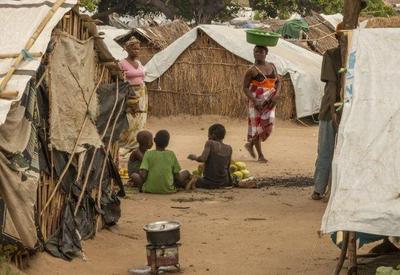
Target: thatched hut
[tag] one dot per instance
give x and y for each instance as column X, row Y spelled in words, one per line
column 202, row 73
column 156, row 38
column 56, row 168
column 321, row 36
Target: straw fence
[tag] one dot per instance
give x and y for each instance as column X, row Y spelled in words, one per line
column 208, row 79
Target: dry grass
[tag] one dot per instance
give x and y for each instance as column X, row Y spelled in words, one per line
column 384, row 22
column 208, row 79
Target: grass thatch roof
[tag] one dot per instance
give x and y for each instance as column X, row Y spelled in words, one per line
column 321, row 36
column 158, row 36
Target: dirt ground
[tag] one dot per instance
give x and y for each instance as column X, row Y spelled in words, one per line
column 237, row 231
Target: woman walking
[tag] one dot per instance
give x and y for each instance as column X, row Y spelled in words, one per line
column 262, row 87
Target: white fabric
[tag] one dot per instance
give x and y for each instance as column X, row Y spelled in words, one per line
column 366, row 177
column 303, row 66
column 110, row 33
column 18, row 21
column 333, row 19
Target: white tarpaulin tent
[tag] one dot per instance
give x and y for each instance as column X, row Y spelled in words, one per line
column 18, row 21
column 303, row 66
column 365, row 194
column 110, row 33
column 333, row 19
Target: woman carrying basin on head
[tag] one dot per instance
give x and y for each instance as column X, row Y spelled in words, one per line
column 261, row 87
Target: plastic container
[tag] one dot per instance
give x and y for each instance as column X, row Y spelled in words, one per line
column 262, row 38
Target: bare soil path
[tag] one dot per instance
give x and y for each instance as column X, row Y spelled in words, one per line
column 235, row 231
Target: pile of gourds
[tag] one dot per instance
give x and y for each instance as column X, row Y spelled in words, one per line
column 123, row 172
column 237, row 169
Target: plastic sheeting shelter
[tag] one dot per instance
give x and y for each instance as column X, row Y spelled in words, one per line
column 365, row 194
column 110, row 33
column 303, row 66
column 46, row 190
column 15, row 34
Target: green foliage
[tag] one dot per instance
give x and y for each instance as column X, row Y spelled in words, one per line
column 283, row 9
column 229, row 12
column 258, row 15
column 207, row 10
column 199, row 11
column 89, row 5
column 378, row 8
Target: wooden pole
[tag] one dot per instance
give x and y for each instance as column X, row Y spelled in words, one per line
column 352, row 254
column 30, row 43
column 15, row 55
column 99, row 194
column 343, row 253
column 351, row 13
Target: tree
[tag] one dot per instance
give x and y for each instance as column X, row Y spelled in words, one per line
column 283, row 9
column 199, row 11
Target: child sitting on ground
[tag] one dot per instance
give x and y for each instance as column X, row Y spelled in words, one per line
column 160, row 171
column 145, row 140
column 216, row 157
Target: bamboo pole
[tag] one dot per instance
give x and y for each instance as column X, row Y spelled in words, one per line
column 30, row 43
column 15, row 55
column 74, row 149
column 94, row 153
column 8, row 94
column 99, row 194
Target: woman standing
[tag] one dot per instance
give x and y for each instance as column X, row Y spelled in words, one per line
column 134, row 73
column 261, row 86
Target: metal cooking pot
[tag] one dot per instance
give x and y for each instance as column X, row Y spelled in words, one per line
column 163, row 232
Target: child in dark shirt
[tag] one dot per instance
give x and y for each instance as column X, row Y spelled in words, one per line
column 216, row 157
column 145, row 140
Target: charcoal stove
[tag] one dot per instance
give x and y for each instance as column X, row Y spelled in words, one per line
column 160, row 257
column 163, row 245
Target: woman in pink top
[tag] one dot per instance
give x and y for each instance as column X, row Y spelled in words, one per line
column 131, row 66
column 134, row 73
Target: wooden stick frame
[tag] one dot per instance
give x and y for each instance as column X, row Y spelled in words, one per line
column 73, row 150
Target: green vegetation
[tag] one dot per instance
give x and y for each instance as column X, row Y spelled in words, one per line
column 205, row 11
column 283, row 9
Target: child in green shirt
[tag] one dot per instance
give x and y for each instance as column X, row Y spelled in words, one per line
column 160, row 171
